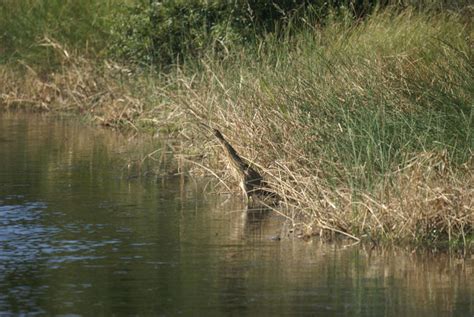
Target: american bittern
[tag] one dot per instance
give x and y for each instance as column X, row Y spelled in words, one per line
column 252, row 183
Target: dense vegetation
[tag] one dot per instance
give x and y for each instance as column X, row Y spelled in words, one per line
column 359, row 113
column 162, row 33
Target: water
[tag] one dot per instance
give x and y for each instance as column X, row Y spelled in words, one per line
column 81, row 235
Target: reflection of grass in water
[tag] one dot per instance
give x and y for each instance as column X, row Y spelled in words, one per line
column 333, row 273
column 364, row 278
column 64, row 146
column 365, row 128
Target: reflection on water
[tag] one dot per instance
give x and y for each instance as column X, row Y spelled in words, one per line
column 79, row 236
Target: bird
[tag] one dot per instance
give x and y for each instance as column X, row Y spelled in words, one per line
column 252, row 183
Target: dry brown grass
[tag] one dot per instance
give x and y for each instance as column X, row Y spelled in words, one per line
column 425, row 200
column 100, row 90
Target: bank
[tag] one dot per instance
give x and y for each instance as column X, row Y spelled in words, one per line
column 365, row 129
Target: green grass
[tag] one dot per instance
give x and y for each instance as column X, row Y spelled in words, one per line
column 366, row 127
column 357, row 114
column 371, row 95
column 26, row 25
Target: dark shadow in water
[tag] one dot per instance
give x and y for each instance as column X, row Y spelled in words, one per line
column 256, row 225
column 255, row 221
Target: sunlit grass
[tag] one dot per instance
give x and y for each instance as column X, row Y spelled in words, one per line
column 345, row 119
column 24, row 25
column 364, row 128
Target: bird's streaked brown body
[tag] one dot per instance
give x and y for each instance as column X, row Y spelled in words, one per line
column 251, row 182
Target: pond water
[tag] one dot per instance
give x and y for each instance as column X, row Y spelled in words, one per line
column 83, row 233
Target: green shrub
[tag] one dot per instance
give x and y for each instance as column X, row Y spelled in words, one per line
column 76, row 24
column 166, row 32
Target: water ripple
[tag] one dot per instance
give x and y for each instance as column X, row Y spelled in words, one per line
column 24, row 239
